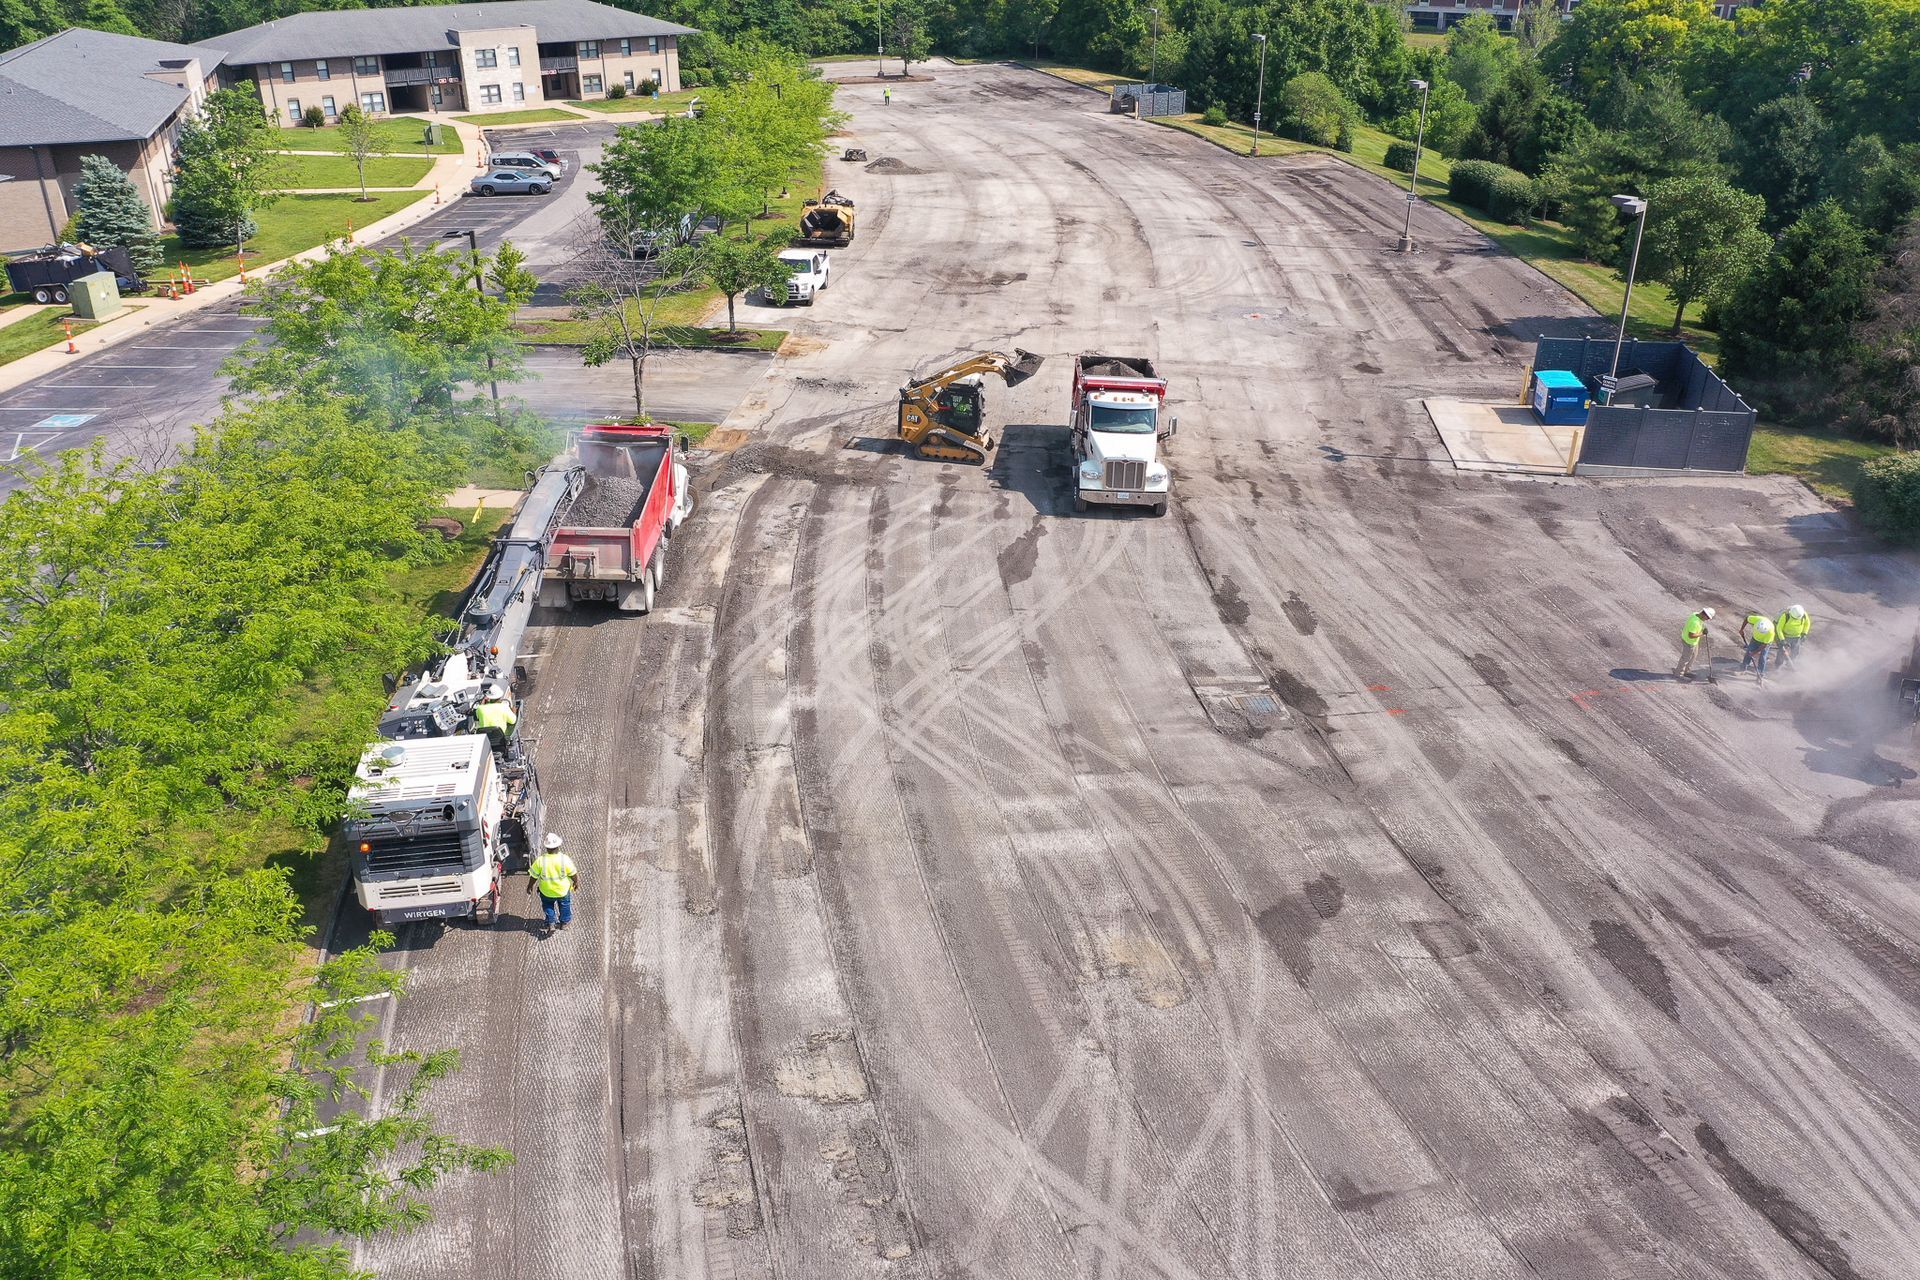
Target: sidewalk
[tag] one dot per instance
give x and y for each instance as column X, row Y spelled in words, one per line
column 447, row 180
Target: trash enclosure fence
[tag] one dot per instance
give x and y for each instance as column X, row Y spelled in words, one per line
column 1154, row 99
column 1688, row 420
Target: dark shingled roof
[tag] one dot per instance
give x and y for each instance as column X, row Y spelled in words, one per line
column 91, row 86
column 346, row 33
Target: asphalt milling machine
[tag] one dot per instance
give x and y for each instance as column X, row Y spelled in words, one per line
column 943, row 415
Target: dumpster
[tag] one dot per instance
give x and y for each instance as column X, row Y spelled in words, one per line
column 1559, row 398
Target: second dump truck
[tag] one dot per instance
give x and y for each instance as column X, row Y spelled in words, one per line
column 610, row 543
column 1116, row 417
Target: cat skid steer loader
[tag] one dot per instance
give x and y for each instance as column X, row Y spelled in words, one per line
column 942, row 415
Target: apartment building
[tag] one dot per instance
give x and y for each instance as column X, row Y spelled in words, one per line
column 82, row 93
column 1438, row 15
column 458, row 57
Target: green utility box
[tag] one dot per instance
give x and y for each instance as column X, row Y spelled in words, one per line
column 433, row 134
column 95, row 297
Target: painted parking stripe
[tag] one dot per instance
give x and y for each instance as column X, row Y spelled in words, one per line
column 145, row 366
column 68, row 408
column 95, row 386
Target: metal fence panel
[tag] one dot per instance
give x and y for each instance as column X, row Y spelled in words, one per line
column 1153, row 99
column 1701, row 425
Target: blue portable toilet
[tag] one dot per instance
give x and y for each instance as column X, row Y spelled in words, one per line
column 1559, row 398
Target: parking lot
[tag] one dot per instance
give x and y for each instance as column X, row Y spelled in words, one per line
column 1322, row 881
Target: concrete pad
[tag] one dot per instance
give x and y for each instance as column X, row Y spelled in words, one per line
column 1501, row 437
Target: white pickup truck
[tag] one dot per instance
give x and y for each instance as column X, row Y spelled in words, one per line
column 1117, row 432
column 807, row 271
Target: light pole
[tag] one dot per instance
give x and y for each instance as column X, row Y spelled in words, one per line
column 1633, row 207
column 1260, row 92
column 1413, row 182
column 880, row 39
column 479, row 287
column 1153, row 63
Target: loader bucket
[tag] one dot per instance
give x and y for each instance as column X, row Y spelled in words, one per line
column 1024, row 366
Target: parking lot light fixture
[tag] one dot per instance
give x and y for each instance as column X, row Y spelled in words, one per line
column 1153, row 61
column 1413, row 181
column 1260, row 91
column 1636, row 208
column 479, row 287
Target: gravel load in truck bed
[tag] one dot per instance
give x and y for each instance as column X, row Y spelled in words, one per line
column 606, row 502
column 1111, row 369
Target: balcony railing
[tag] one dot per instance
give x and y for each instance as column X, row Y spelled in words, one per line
column 550, row 65
column 422, row 75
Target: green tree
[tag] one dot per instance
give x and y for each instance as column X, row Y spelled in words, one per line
column 1878, row 388
column 1702, row 236
column 112, row 212
column 1781, row 153
column 1645, row 133
column 393, row 333
column 653, row 176
column 1793, row 315
column 1607, row 39
column 227, row 170
column 1536, row 24
column 773, row 122
column 735, row 266
column 362, row 141
column 1478, row 57
column 1878, row 187
column 1313, row 109
column 1525, row 125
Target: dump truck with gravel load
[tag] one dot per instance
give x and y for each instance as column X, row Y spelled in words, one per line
column 1116, row 419
column 610, row 544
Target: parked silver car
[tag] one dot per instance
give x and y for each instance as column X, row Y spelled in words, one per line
column 496, row 182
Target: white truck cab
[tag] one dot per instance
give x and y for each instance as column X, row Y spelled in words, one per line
column 1118, row 403
column 432, row 823
column 807, row 271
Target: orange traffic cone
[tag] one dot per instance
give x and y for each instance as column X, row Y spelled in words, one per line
column 186, row 275
column 243, row 267
column 68, row 326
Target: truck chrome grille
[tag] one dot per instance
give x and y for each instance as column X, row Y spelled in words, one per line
column 418, row 890
column 1126, row 474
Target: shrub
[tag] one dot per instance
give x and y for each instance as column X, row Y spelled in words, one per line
column 313, row 118
column 1504, row 193
column 1215, row 115
column 648, row 89
column 616, row 93
column 1888, row 496
column 1313, row 109
column 1400, row 156
column 692, row 77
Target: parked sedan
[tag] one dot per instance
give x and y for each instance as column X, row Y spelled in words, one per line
column 511, row 182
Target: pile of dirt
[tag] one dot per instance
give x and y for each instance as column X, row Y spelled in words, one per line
column 887, row 164
column 606, row 502
column 1110, row 369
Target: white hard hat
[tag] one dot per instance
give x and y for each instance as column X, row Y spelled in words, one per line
column 553, row 839
column 495, row 693
column 1795, row 611
column 1707, row 612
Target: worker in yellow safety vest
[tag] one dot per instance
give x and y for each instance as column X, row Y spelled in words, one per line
column 553, row 876
column 1792, row 627
column 1695, row 641
column 494, row 716
column 1757, row 633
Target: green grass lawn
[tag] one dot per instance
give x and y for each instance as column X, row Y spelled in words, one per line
column 675, row 101
column 1083, row 76
column 572, row 333
column 1830, row 464
column 399, row 133
column 533, row 115
column 309, row 171
column 1426, row 39
column 37, row 333
column 291, row 224
column 439, row 587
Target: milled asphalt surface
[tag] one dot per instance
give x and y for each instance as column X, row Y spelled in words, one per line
column 1322, row 881
column 144, row 397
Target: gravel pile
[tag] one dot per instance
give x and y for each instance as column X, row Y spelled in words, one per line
column 1110, row 369
column 887, row 164
column 607, row 501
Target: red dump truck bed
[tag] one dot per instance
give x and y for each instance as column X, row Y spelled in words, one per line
column 611, row 542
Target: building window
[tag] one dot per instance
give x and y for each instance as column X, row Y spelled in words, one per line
column 366, row 66
column 320, row 70
column 326, row 105
column 653, row 44
column 589, row 48
column 490, row 94
column 589, row 84
column 519, row 93
column 286, row 72
column 373, row 103
column 626, row 48
column 629, row 82
column 293, row 110
column 513, row 56
column 486, row 59
column 437, row 99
